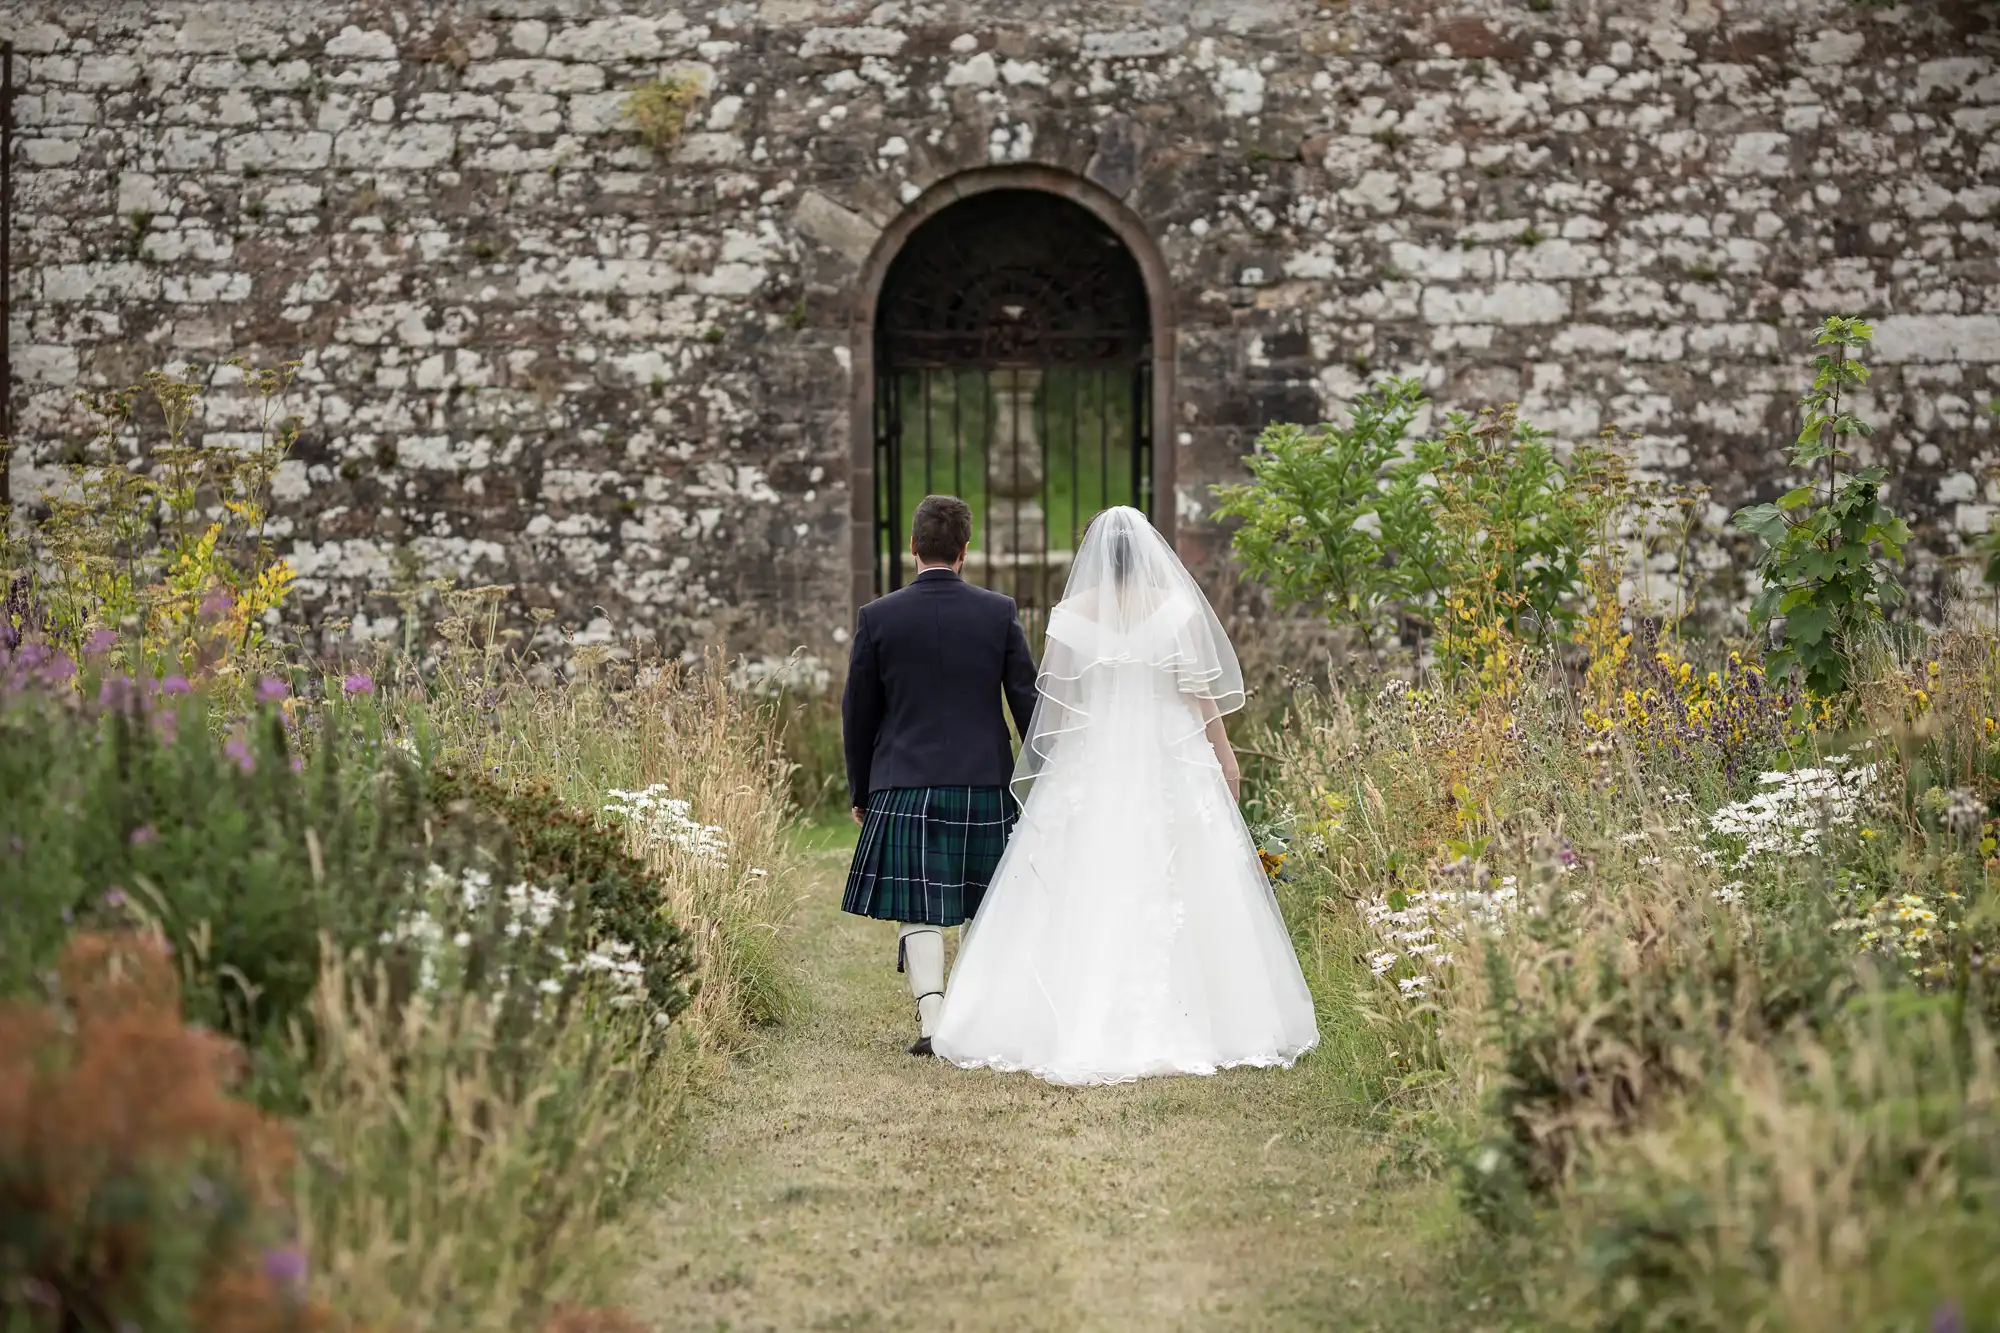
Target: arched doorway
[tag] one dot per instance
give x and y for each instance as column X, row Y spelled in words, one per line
column 1013, row 345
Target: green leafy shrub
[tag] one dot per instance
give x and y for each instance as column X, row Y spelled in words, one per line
column 1826, row 542
column 664, row 735
column 616, row 895
column 1374, row 531
column 1513, row 522
column 1302, row 514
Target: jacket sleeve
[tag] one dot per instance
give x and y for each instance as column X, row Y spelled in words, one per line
column 860, row 711
column 1018, row 677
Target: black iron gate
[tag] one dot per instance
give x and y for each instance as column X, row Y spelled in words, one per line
column 1013, row 369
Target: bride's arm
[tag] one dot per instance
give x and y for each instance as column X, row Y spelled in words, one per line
column 1225, row 753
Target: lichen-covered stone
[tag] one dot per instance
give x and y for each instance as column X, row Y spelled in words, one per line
column 535, row 351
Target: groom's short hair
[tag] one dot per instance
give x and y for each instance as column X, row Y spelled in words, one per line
column 942, row 529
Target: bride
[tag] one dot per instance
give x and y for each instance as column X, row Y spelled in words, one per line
column 1130, row 929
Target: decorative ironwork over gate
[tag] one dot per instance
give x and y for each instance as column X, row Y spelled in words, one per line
column 1013, row 368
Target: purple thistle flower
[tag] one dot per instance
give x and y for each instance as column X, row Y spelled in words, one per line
column 217, row 604
column 358, row 683
column 298, row 764
column 100, row 643
column 270, row 690
column 167, row 725
column 176, row 684
column 144, row 834
column 239, row 749
column 286, row 1266
column 33, row 664
column 114, row 898
column 117, row 693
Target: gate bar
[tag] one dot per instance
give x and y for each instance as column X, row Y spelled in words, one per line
column 1103, row 437
column 897, row 421
column 1014, row 416
column 1142, row 461
column 1075, row 473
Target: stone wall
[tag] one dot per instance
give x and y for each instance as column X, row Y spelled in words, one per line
column 537, row 352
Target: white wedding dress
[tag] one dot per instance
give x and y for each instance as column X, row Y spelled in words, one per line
column 1129, row 929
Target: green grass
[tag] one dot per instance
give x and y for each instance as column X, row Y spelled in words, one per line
column 822, row 833
column 836, row 1183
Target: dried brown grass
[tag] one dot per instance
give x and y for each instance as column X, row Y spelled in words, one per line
column 457, row 1184
column 603, row 723
column 1820, row 1186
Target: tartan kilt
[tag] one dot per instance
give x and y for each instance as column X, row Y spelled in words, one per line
column 926, row 854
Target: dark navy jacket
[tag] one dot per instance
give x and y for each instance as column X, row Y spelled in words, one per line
column 930, row 666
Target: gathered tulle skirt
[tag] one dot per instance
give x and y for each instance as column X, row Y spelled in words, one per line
column 1130, row 930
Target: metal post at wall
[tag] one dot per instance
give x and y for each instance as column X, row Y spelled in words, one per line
column 6, row 276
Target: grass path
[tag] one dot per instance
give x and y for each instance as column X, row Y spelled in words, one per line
column 836, row 1183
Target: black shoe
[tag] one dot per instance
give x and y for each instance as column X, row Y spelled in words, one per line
column 921, row 1046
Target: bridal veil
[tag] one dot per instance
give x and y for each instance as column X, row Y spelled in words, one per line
column 1129, row 602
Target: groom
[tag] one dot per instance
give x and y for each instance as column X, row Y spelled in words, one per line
column 928, row 757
